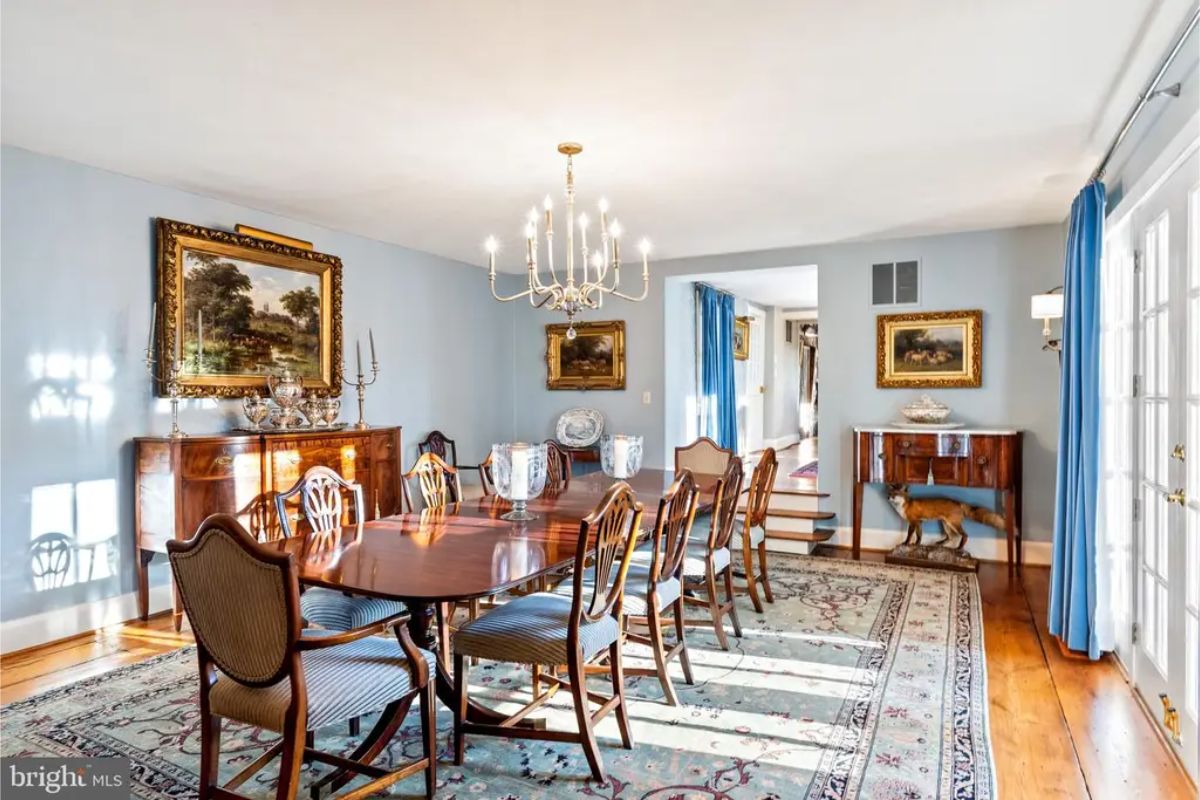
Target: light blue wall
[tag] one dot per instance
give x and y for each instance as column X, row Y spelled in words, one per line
column 78, row 267
column 994, row 270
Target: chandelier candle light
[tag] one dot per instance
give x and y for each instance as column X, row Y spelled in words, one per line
column 571, row 297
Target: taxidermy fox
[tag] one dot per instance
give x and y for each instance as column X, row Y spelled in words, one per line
column 949, row 512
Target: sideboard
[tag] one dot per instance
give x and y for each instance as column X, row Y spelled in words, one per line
column 984, row 458
column 179, row 482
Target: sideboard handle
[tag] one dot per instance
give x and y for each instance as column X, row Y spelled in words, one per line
column 981, row 461
column 222, row 461
column 905, row 443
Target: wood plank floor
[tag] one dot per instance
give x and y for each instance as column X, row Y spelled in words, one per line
column 1061, row 728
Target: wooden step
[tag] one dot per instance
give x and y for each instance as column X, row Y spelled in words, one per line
column 791, row 491
column 815, row 535
column 785, row 513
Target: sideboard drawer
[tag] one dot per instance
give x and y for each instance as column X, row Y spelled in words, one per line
column 216, row 460
column 289, row 459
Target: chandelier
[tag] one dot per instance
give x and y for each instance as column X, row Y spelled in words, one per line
column 604, row 277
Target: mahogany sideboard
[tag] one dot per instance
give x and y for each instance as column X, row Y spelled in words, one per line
column 179, row 482
column 982, row 458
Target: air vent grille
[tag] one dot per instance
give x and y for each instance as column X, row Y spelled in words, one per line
column 896, row 283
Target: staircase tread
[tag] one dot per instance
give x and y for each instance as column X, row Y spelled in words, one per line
column 789, row 514
column 817, row 535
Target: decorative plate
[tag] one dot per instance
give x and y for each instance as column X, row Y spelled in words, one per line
column 580, row 427
column 928, row 426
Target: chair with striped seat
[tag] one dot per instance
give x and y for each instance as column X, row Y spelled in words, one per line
column 554, row 629
column 708, row 557
column 437, row 481
column 259, row 670
column 322, row 509
column 754, row 527
column 655, row 583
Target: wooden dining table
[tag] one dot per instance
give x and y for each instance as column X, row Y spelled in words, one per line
column 434, row 558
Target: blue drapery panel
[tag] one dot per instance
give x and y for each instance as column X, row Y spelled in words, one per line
column 1074, row 568
column 718, row 414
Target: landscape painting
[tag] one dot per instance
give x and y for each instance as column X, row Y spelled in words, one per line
column 244, row 308
column 940, row 349
column 593, row 359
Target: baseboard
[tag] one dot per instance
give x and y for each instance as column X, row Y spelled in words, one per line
column 63, row 623
column 781, row 442
column 984, row 549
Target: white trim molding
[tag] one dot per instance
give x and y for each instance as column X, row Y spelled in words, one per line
column 63, row 623
column 984, row 548
column 780, row 442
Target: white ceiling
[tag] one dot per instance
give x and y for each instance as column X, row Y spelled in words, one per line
column 778, row 287
column 711, row 126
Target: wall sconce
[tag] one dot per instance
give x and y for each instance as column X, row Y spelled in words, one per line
column 1046, row 307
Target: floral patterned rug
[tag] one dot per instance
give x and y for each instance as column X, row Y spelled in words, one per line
column 861, row 681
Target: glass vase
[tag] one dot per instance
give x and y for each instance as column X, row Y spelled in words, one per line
column 519, row 471
column 620, row 455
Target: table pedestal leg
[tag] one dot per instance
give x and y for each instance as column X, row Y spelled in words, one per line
column 425, row 629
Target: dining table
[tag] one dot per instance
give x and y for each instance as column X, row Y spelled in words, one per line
column 434, row 558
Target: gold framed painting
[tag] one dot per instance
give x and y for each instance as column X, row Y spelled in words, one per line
column 741, row 338
column 235, row 308
column 594, row 359
column 937, row 349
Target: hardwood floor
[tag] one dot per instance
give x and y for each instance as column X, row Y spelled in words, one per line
column 1061, row 728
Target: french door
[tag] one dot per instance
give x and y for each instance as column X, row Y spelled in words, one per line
column 1164, row 231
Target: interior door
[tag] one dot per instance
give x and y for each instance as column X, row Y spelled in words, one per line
column 1167, row 574
column 755, row 372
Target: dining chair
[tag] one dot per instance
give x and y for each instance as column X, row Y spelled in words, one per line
column 258, row 669
column 437, row 480
column 709, row 559
column 320, row 490
column 441, row 446
column 655, row 583
column 553, row 629
column 754, row 527
column 487, row 476
column 558, row 467
column 703, row 457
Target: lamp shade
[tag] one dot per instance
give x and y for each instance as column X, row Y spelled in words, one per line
column 1046, row 306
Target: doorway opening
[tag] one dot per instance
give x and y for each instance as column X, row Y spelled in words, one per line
column 775, row 369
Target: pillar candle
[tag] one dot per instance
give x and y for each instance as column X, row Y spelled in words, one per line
column 620, row 457
column 519, row 487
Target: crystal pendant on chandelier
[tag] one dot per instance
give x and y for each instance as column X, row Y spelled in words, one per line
column 572, row 297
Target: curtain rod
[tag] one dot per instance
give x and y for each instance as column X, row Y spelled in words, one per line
column 1147, row 94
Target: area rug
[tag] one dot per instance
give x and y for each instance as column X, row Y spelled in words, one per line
column 860, row 681
column 809, row 470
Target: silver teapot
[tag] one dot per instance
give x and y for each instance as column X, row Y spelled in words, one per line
column 256, row 410
column 287, row 390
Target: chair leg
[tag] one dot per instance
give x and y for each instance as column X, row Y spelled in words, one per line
column 210, row 754
column 355, row 728
column 587, row 737
column 714, row 608
column 618, row 680
column 291, row 760
column 536, row 677
column 654, row 622
column 429, row 736
column 751, row 579
column 729, row 595
column 460, row 707
column 685, row 660
column 762, row 568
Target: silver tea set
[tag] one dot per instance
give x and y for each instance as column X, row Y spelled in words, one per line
column 288, row 408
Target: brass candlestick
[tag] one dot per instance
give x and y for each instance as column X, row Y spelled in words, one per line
column 361, row 385
column 171, row 381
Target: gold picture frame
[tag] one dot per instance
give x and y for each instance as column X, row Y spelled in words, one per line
column 270, row 305
column 594, row 359
column 741, row 338
column 930, row 350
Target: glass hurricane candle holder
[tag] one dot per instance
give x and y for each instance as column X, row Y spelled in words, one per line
column 620, row 455
column 519, row 471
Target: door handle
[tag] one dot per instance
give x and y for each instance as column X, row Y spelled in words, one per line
column 1177, row 496
column 1177, row 452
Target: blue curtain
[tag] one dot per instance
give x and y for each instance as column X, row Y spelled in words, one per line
column 1074, row 568
column 719, row 398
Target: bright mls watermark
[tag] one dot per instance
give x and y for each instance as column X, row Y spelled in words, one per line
column 40, row 778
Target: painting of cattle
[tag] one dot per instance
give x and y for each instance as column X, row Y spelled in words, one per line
column 940, row 349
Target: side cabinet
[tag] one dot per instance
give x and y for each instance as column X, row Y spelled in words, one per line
column 179, row 482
